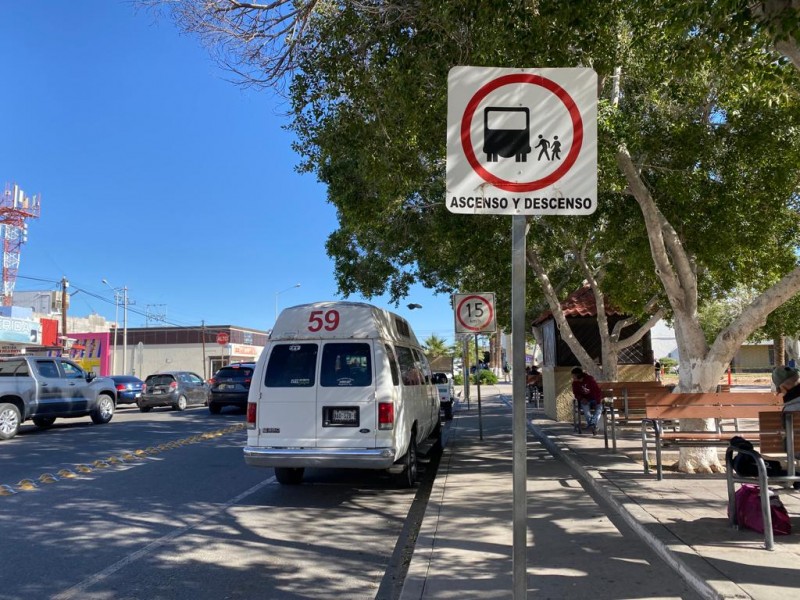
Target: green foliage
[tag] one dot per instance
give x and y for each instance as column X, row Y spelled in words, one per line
column 436, row 347
column 704, row 105
column 667, row 363
column 486, row 377
column 716, row 135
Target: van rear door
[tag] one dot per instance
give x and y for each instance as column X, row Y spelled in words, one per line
column 287, row 410
column 346, row 407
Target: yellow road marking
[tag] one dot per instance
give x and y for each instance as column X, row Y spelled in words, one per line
column 30, row 485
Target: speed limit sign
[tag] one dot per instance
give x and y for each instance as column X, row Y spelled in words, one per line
column 475, row 313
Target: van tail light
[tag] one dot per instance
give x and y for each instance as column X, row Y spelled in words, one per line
column 251, row 415
column 385, row 415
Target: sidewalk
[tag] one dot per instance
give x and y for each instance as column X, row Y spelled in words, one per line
column 465, row 542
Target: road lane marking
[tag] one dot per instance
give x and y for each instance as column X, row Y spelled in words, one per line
column 77, row 590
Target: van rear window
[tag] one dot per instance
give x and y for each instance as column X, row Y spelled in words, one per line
column 346, row 365
column 292, row 365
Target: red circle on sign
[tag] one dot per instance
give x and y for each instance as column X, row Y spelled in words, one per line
column 537, row 184
column 222, row 338
column 490, row 311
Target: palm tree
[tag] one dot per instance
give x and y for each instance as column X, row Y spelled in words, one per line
column 435, row 347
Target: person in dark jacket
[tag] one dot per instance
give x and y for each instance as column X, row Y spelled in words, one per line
column 589, row 397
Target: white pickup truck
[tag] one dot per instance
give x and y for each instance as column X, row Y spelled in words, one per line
column 43, row 389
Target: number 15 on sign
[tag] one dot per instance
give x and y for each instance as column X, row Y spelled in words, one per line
column 475, row 312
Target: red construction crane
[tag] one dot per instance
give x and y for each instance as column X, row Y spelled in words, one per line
column 15, row 209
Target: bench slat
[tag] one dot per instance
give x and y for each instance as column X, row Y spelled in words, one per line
column 746, row 411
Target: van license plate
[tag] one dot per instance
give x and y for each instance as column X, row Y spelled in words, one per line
column 340, row 416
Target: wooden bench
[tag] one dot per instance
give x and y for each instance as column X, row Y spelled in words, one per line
column 717, row 406
column 777, row 434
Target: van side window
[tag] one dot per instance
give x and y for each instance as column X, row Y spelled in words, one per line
column 292, row 365
column 410, row 372
column 393, row 365
column 422, row 364
column 346, row 365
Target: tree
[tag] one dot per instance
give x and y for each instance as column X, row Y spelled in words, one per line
column 436, row 347
column 698, row 127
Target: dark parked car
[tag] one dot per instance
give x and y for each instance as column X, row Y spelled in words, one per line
column 230, row 386
column 177, row 389
column 129, row 388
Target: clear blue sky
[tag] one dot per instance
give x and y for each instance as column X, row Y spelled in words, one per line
column 158, row 174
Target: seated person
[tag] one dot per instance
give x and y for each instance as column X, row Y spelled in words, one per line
column 589, row 397
column 787, row 382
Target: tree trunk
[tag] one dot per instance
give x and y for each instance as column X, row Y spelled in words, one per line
column 779, row 345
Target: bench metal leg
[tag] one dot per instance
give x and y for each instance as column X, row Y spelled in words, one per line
column 766, row 516
column 613, row 428
column 576, row 417
column 659, row 470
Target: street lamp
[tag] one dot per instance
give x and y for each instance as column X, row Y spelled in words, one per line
column 124, row 295
column 296, row 285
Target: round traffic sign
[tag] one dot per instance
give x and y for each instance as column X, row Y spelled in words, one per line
column 560, row 167
column 475, row 312
column 222, row 338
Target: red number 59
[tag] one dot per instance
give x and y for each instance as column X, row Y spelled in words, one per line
column 319, row 319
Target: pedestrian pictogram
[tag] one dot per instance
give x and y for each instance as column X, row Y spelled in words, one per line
column 475, row 312
column 522, row 141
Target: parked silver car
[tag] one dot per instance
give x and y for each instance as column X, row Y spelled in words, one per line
column 177, row 389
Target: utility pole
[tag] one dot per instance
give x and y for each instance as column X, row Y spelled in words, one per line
column 64, row 301
column 205, row 375
column 125, row 330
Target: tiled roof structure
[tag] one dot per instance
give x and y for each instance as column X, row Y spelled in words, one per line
column 579, row 303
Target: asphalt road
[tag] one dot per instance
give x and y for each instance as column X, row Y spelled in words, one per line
column 161, row 505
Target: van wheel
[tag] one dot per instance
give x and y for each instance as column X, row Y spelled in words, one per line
column 10, row 419
column 408, row 478
column 289, row 476
column 44, row 422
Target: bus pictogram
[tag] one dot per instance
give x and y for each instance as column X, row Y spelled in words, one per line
column 506, row 133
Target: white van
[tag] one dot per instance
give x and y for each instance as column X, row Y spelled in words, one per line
column 341, row 385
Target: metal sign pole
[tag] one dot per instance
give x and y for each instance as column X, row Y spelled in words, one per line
column 519, row 426
column 478, row 387
column 465, row 367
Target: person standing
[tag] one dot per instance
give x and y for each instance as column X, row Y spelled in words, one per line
column 589, row 397
column 657, row 366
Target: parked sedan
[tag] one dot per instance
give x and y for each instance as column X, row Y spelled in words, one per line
column 129, row 388
column 230, row 386
column 177, row 389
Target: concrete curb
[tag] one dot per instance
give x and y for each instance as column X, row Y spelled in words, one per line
column 422, row 557
column 592, row 481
